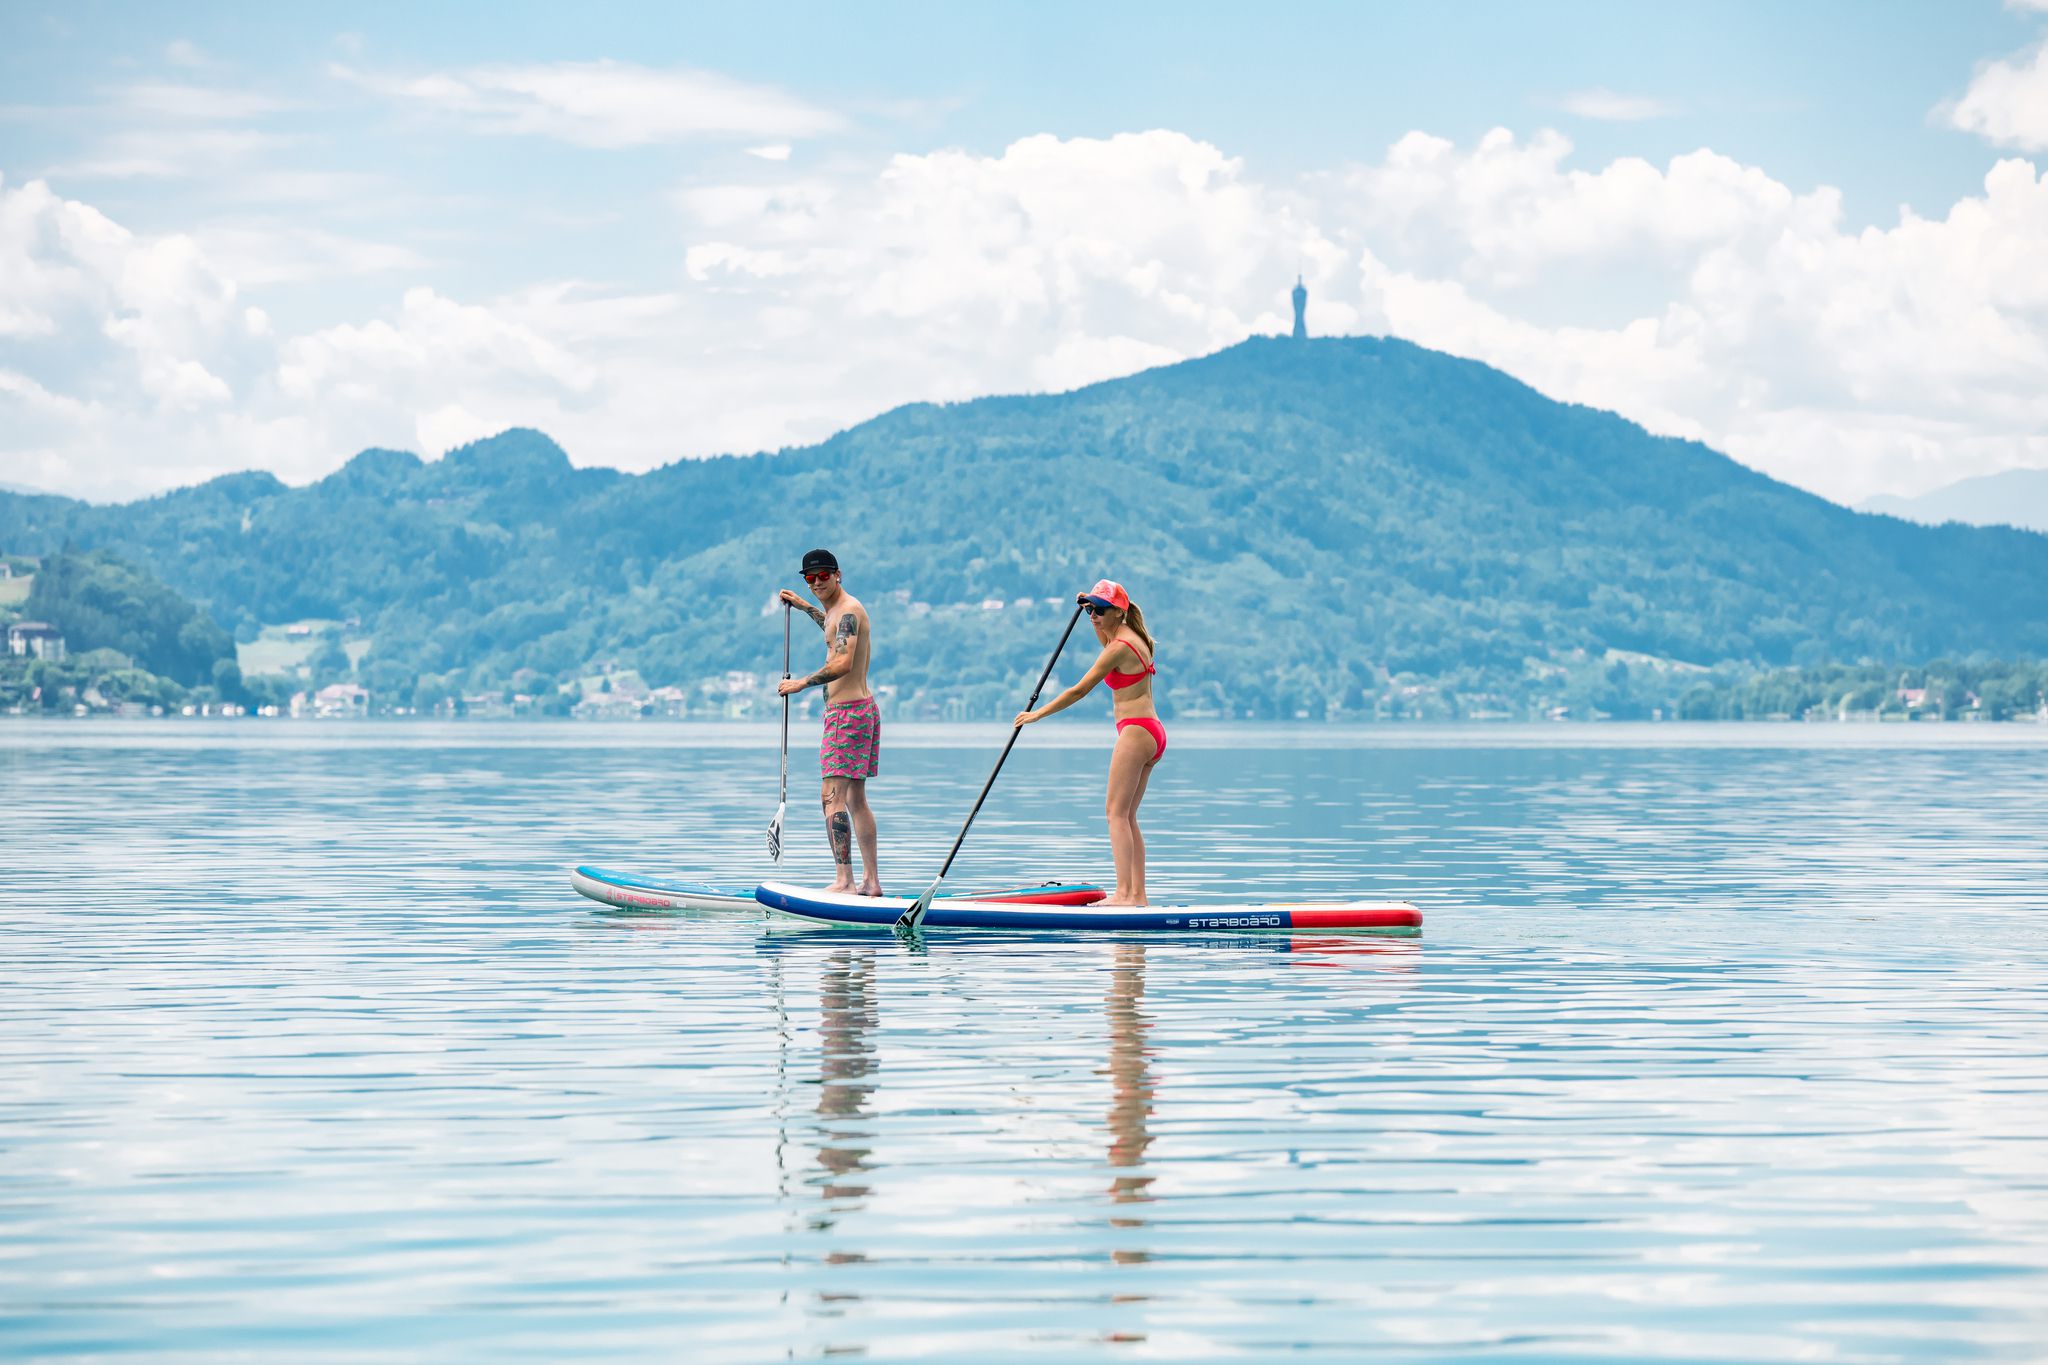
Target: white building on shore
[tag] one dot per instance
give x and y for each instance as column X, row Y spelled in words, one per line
column 38, row 638
column 336, row 700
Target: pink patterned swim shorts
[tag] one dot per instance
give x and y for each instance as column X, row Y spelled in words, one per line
column 853, row 739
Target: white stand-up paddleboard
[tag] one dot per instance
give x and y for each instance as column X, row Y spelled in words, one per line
column 1394, row 918
column 627, row 891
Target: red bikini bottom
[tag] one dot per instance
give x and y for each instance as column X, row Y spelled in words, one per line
column 1150, row 727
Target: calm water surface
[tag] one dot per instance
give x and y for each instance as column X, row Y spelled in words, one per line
column 1721, row 1044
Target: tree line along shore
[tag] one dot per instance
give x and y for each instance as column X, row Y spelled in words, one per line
column 92, row 635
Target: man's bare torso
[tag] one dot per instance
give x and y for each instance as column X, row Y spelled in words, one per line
column 846, row 627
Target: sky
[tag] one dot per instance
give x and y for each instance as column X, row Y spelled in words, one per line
column 1814, row 236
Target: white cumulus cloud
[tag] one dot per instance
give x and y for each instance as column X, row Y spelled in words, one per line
column 119, row 351
column 2007, row 102
column 1143, row 245
column 1513, row 213
column 70, row 273
column 1706, row 300
column 435, row 373
column 1700, row 296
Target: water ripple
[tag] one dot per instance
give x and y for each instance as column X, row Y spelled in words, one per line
column 1722, row 1044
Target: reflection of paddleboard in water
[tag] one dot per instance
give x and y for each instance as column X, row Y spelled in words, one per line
column 625, row 891
column 1395, row 918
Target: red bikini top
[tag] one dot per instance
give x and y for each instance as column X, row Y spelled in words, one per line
column 1119, row 681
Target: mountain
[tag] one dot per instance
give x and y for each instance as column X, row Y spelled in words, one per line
column 1345, row 525
column 2012, row 497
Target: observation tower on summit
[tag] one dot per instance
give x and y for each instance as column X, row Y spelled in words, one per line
column 1300, row 310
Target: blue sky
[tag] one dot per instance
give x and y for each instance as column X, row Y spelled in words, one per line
column 241, row 236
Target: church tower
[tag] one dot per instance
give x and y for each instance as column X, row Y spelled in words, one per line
column 1300, row 310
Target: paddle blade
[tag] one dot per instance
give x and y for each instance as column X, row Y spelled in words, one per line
column 913, row 918
column 775, row 834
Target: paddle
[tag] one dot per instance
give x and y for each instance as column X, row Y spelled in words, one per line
column 910, row 920
column 782, row 806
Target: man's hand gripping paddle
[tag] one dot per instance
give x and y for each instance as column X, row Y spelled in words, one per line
column 913, row 918
column 782, row 806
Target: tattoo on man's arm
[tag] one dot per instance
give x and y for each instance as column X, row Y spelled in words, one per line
column 842, row 838
column 843, row 635
column 812, row 612
column 820, row 678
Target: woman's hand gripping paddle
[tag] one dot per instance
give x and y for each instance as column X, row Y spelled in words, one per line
column 913, row 918
column 782, row 806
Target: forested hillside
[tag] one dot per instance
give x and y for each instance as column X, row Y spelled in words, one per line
column 101, row 603
column 127, row 638
column 1345, row 526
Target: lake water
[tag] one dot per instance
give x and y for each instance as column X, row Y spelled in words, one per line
column 1720, row 1043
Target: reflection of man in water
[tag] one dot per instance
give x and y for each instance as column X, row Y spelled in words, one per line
column 1130, row 1088
column 846, row 1018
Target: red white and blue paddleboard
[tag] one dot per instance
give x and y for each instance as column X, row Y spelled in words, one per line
column 628, row 891
column 979, row 911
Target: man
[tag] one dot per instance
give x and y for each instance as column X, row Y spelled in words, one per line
column 853, row 726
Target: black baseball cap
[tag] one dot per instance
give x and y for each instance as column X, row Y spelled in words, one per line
column 820, row 561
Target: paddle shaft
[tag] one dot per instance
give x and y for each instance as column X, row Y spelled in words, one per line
column 1015, row 731
column 785, row 704
column 782, row 807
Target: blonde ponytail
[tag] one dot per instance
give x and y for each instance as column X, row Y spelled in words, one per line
column 1135, row 619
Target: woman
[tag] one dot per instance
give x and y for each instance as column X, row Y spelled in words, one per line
column 1126, row 665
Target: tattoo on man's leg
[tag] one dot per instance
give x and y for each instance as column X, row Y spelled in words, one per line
column 842, row 838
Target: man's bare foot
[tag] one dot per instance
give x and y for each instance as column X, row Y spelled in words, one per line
column 871, row 888
column 841, row 884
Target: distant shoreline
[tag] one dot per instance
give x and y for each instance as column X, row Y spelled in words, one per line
column 1887, row 722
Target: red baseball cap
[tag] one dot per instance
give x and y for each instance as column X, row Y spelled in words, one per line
column 1108, row 594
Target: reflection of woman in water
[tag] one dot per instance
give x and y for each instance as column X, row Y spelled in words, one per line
column 1126, row 665
column 1130, row 1088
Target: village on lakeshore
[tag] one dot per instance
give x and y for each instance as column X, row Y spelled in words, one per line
column 611, row 693
column 288, row 671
